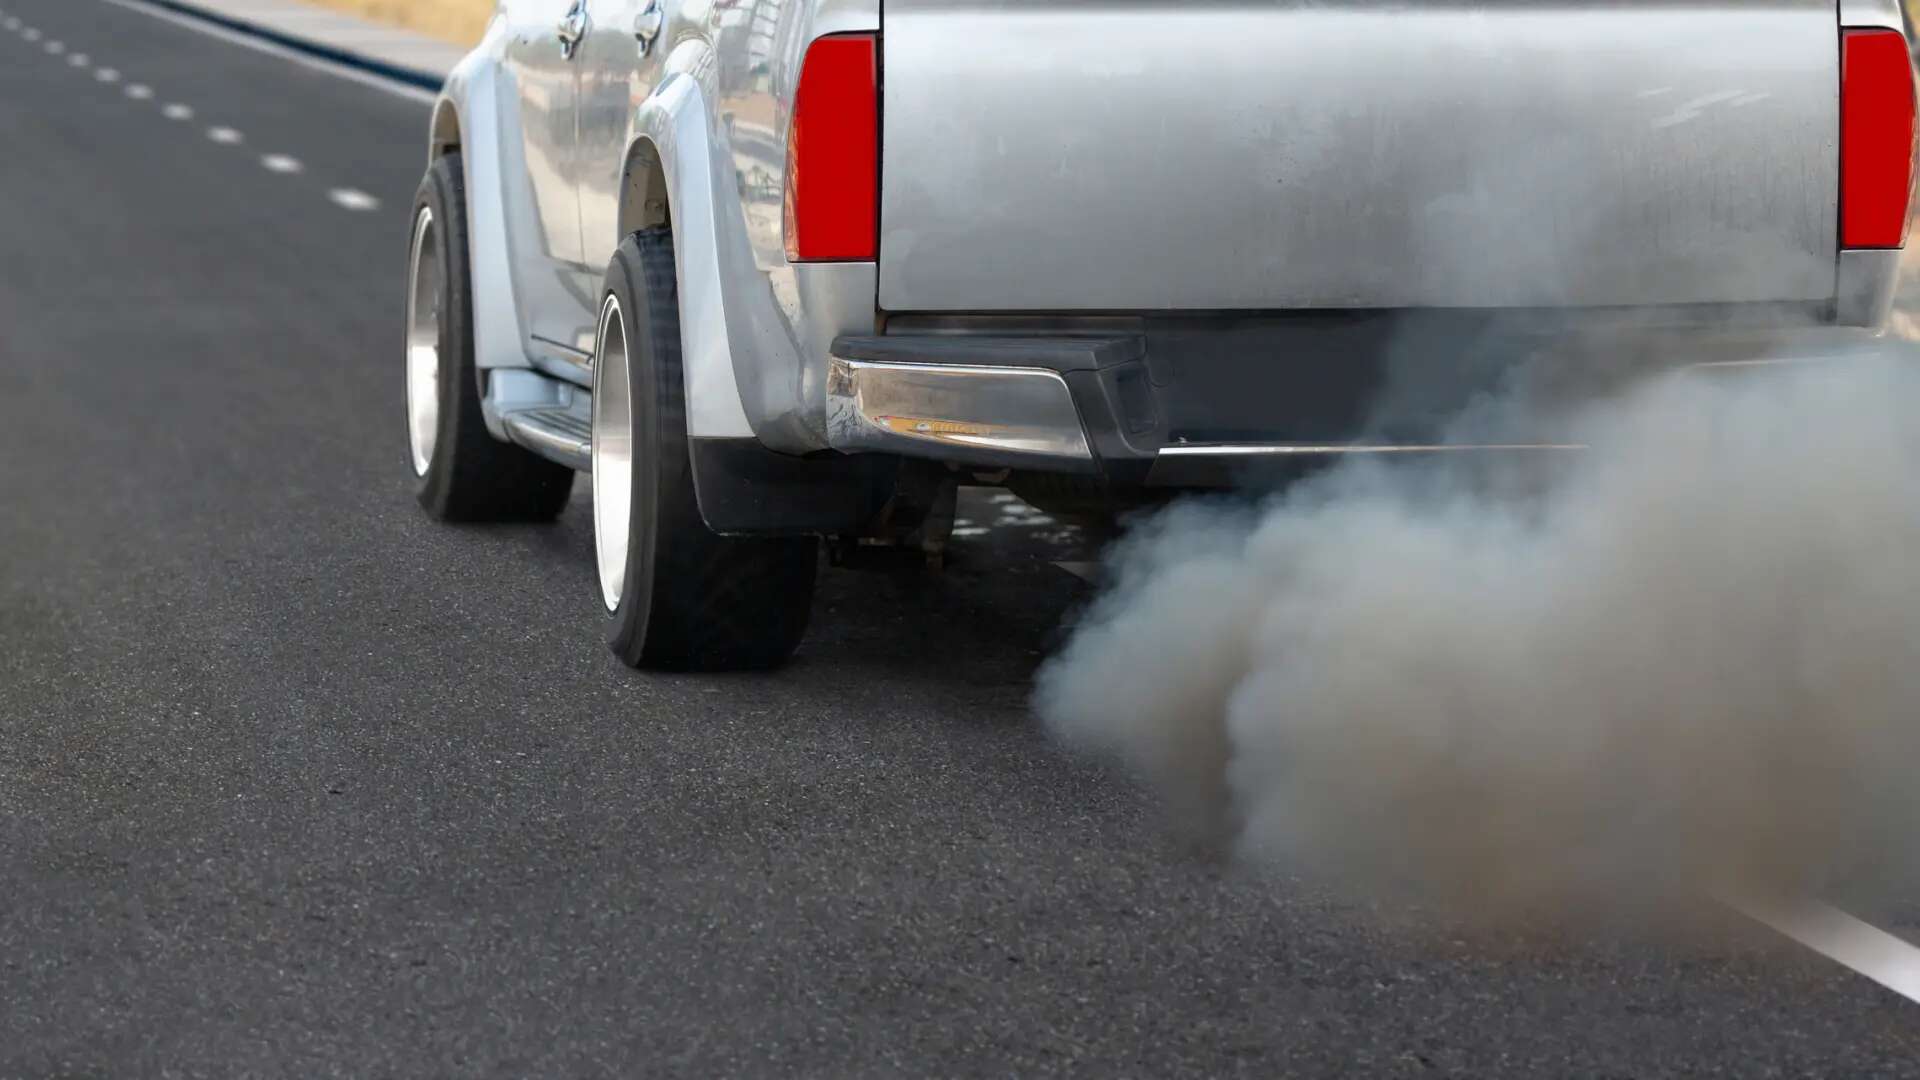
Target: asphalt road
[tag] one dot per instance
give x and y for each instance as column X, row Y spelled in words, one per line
column 294, row 782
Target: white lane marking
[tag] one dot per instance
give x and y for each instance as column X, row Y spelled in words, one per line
column 281, row 163
column 1840, row 937
column 177, row 112
column 13, row 22
column 353, row 199
column 139, row 91
column 56, row 47
column 30, row 34
column 225, row 136
column 79, row 59
column 379, row 82
column 107, row 75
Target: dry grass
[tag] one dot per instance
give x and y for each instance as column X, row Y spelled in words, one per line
column 459, row 21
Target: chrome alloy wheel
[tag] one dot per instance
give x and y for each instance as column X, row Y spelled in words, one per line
column 423, row 341
column 612, row 454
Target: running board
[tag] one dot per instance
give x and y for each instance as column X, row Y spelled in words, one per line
column 560, row 435
column 548, row 416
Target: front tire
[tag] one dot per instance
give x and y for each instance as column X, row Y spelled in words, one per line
column 461, row 472
column 681, row 597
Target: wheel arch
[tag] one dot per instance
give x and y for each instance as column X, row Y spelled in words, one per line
column 645, row 201
column 443, row 137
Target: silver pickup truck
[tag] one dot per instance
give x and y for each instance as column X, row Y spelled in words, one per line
column 779, row 270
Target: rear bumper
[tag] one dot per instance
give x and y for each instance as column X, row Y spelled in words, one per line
column 992, row 402
column 1209, row 400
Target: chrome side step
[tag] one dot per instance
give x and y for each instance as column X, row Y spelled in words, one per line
column 560, row 435
column 549, row 416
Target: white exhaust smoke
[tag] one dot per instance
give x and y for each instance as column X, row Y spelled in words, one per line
column 1686, row 657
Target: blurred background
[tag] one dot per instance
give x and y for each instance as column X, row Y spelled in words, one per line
column 458, row 21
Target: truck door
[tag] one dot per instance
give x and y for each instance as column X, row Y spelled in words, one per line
column 542, row 57
column 619, row 66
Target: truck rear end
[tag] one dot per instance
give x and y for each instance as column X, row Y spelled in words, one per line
column 1131, row 239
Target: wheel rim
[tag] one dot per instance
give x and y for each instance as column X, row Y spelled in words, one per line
column 612, row 454
column 423, row 342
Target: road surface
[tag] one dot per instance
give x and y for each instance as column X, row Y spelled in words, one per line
column 295, row 783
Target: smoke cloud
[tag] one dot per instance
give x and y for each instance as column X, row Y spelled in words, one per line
column 1685, row 657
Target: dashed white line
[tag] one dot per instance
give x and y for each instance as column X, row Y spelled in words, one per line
column 225, row 136
column 13, row 23
column 177, row 112
column 353, row 199
column 1845, row 940
column 30, row 34
column 56, row 47
column 107, row 75
column 78, row 59
column 139, row 91
column 281, row 163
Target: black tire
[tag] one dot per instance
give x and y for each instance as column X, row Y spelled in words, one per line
column 692, row 600
column 470, row 476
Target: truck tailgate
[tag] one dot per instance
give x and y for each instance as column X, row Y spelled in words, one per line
column 1073, row 155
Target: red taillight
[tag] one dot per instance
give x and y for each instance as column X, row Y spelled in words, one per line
column 833, row 153
column 1876, row 139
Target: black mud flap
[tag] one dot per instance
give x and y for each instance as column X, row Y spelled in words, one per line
column 744, row 489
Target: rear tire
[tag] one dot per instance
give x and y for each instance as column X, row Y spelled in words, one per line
column 682, row 597
column 461, row 472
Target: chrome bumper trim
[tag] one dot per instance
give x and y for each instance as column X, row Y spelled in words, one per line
column 1865, row 286
column 1273, row 449
column 1211, row 465
column 965, row 414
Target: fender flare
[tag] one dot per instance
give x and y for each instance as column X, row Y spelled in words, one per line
column 729, row 324
column 715, row 328
column 472, row 93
